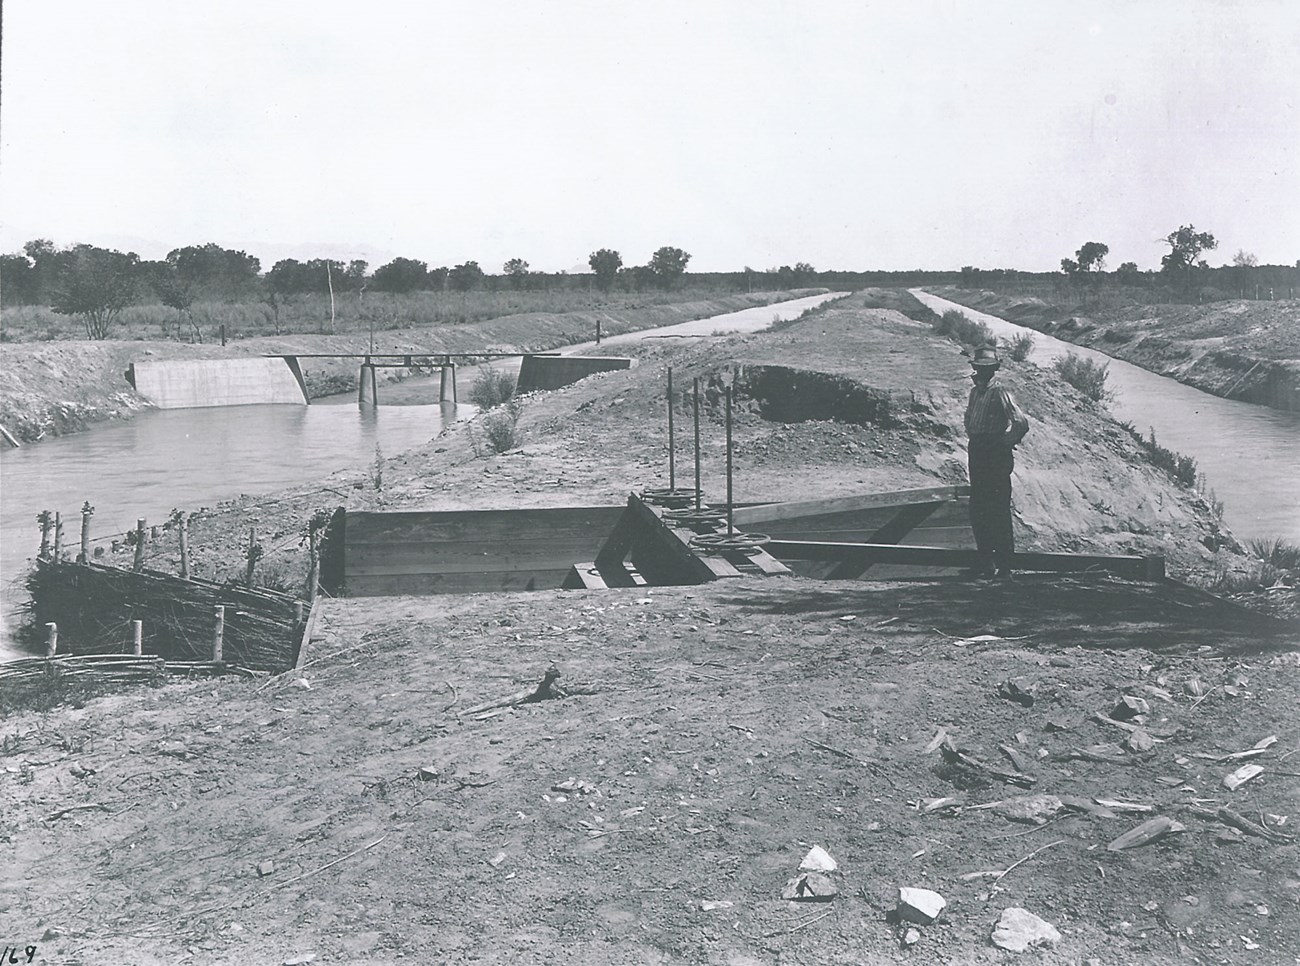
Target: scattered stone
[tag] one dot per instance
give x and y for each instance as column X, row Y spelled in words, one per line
column 810, row 887
column 921, row 906
column 574, row 785
column 1130, row 706
column 1139, row 741
column 1242, row 775
column 940, row 804
column 53, row 932
column 427, row 773
column 303, row 685
column 911, row 937
column 1150, row 831
column 81, row 771
column 1017, row 690
column 939, row 737
column 1019, row 930
column 818, row 860
column 1151, row 906
column 302, row 960
column 1015, row 757
column 1059, row 722
column 1035, row 809
column 177, row 749
column 265, row 868
column 709, row 905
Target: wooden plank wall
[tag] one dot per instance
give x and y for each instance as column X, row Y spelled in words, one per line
column 947, row 526
column 468, row 551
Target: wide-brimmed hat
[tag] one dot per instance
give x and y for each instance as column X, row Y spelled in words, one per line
column 985, row 357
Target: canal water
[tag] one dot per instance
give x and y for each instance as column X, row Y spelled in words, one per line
column 192, row 458
column 1250, row 454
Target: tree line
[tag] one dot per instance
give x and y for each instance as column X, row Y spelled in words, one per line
column 43, row 274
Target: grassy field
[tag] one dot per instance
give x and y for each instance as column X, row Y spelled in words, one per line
column 310, row 314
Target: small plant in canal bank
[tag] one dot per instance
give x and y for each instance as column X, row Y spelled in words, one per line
column 1277, row 552
column 1085, row 375
column 960, row 328
column 491, row 388
column 1181, row 468
column 377, row 468
column 501, row 427
column 1273, row 564
column 1020, row 347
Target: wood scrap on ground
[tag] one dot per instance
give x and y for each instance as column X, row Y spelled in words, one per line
column 546, row 690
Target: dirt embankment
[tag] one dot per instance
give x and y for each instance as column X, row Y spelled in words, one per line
column 1244, row 350
column 53, row 388
column 710, row 735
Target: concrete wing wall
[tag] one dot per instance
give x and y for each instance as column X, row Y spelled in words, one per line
column 468, row 551
column 197, row 383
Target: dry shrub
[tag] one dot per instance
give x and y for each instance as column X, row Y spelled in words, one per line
column 1086, row 375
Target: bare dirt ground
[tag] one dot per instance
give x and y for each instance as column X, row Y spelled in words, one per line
column 1239, row 349
column 710, row 735
column 715, row 735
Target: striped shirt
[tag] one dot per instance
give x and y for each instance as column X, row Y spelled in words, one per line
column 992, row 411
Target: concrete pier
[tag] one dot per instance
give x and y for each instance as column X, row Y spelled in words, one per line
column 447, row 383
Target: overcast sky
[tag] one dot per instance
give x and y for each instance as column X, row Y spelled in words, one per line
column 848, row 134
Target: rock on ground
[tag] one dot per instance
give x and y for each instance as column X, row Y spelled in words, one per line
column 1019, row 930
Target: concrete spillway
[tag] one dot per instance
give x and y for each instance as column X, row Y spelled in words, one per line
column 196, row 383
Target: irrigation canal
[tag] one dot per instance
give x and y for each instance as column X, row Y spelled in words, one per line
column 1250, row 454
column 191, row 458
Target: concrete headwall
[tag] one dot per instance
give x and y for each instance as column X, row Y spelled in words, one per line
column 196, row 383
column 554, row 372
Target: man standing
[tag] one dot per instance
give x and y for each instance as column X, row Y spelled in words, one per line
column 995, row 424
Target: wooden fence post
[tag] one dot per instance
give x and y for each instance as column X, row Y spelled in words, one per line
column 313, row 565
column 139, row 545
column 58, row 537
column 87, row 511
column 51, row 639
column 137, row 637
column 46, row 520
column 183, row 525
column 218, row 634
column 254, row 552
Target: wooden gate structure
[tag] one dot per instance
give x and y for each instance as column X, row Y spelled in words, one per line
column 641, row 543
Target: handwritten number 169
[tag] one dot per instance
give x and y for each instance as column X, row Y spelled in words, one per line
column 11, row 954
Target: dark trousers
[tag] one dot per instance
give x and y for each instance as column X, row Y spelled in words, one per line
column 991, row 464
